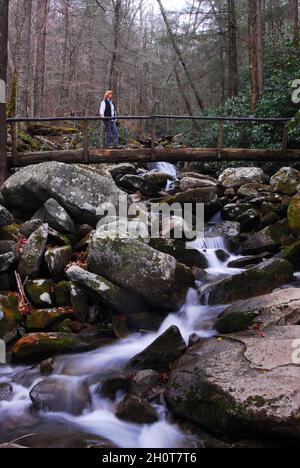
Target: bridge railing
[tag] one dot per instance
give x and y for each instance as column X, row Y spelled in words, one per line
column 153, row 119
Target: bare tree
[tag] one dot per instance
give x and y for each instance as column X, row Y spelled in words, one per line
column 3, row 67
column 23, row 74
column 180, row 56
column 40, row 55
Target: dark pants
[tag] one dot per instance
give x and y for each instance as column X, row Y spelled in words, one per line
column 111, row 134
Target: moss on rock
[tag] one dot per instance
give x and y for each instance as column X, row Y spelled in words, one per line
column 62, row 294
column 42, row 319
column 294, row 213
column 10, row 316
column 10, row 232
column 41, row 292
column 37, row 346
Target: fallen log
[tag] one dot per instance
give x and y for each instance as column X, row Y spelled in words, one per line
column 171, row 155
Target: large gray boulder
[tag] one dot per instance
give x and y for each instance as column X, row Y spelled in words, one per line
column 81, row 190
column 109, row 293
column 259, row 280
column 282, row 307
column 133, row 265
column 236, row 177
column 56, row 216
column 241, row 384
column 33, row 253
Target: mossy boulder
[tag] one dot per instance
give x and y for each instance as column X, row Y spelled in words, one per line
column 62, row 294
column 286, row 181
column 292, row 254
column 110, row 294
column 161, row 353
column 282, row 307
column 71, row 185
column 256, row 281
column 238, row 176
column 6, row 217
column 57, row 258
column 10, row 316
column 270, row 239
column 294, row 213
column 240, row 384
column 10, row 232
column 33, row 253
column 39, row 346
column 40, row 320
column 129, row 263
column 41, row 292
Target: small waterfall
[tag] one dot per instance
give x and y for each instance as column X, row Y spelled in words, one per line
column 166, row 168
column 217, row 254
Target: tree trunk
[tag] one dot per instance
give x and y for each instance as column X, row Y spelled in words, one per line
column 260, row 45
column 233, row 69
column 113, row 70
column 180, row 57
column 255, row 51
column 63, row 79
column 296, row 20
column 24, row 59
column 40, row 55
column 3, row 68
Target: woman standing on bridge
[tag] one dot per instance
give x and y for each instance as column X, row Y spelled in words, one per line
column 108, row 109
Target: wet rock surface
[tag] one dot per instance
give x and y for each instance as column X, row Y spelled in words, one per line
column 256, row 281
column 136, row 410
column 161, row 353
column 279, row 308
column 240, row 384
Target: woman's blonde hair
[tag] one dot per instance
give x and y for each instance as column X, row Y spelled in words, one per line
column 108, row 92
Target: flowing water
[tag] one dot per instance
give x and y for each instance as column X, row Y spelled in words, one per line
column 166, row 168
column 17, row 418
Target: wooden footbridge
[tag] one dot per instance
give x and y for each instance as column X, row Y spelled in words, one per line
column 87, row 155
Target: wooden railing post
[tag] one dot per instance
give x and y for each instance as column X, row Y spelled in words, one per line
column 86, row 151
column 153, row 138
column 14, row 144
column 220, row 138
